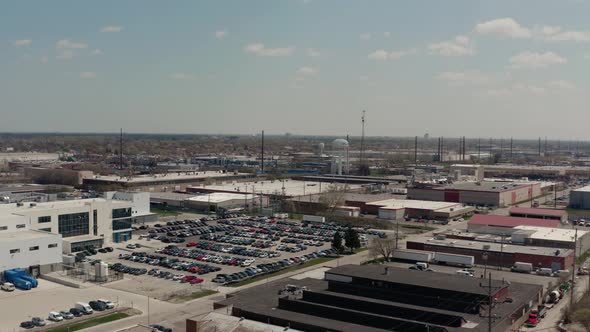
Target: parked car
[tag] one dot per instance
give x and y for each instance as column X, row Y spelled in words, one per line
column 7, row 286
column 55, row 316
column 66, row 314
column 76, row 312
column 38, row 321
column 109, row 304
column 98, row 306
column 27, row 325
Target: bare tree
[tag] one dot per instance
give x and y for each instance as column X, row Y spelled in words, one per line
column 384, row 247
column 582, row 317
column 333, row 197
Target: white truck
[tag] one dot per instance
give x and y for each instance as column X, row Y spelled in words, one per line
column 312, row 218
column 454, row 259
column 84, row 307
column 414, row 255
column 522, row 267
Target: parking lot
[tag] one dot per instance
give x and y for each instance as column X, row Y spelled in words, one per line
column 205, row 254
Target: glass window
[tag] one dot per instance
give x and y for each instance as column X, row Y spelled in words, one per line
column 3, row 228
column 48, row 230
column 34, row 248
column 80, row 246
column 44, row 219
column 21, row 226
column 122, row 224
column 95, row 222
column 14, row 251
column 52, row 245
column 74, row 224
column 121, row 213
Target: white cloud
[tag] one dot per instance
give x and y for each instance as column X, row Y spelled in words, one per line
column 68, row 44
column 459, row 46
column 219, row 34
column 183, row 76
column 261, row 50
column 533, row 60
column 66, row 54
column 97, row 52
column 503, row 27
column 312, row 52
column 387, row 34
column 112, row 28
column 22, row 42
column 44, row 59
column 528, row 88
column 555, row 33
column 87, row 74
column 365, row 36
column 465, row 78
column 381, row 55
column 307, row 71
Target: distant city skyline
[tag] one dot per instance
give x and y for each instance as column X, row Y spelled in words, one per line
column 470, row 68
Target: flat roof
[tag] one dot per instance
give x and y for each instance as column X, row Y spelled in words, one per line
column 511, row 222
column 13, row 208
column 176, row 176
column 451, row 282
column 491, row 246
column 556, row 234
column 350, row 197
column 170, row 196
column 220, row 197
column 26, row 234
column 276, row 187
column 583, row 189
column 395, row 204
column 486, row 186
column 538, row 212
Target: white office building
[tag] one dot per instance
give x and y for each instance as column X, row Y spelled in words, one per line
column 36, row 251
column 82, row 223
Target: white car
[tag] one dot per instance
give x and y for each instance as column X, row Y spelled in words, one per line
column 7, row 287
column 107, row 303
column 465, row 273
column 55, row 316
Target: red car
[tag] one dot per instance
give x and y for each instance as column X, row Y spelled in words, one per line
column 191, row 244
column 195, row 281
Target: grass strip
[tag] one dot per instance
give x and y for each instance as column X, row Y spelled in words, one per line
column 90, row 322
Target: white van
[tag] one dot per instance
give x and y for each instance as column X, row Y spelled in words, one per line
column 465, row 273
column 84, row 307
column 7, row 287
column 55, row 316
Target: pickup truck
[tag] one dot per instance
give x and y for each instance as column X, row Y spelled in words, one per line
column 536, row 315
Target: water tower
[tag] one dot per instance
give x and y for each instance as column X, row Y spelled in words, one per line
column 321, row 147
column 340, row 156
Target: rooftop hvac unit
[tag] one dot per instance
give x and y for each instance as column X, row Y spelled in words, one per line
column 441, row 237
column 486, row 247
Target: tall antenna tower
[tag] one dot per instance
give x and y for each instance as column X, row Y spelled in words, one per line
column 121, row 150
column 262, row 155
column 362, row 163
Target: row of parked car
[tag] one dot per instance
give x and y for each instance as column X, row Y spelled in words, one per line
column 262, row 244
column 236, row 250
column 79, row 309
column 260, row 269
column 205, row 256
column 170, row 263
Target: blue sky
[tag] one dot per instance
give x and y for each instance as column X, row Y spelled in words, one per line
column 453, row 68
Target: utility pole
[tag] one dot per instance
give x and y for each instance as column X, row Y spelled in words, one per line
column 121, row 150
column 491, row 150
column 479, row 150
column 539, row 146
column 574, row 269
column 416, row 151
column 490, row 292
column 362, row 144
column 511, row 146
column 397, row 233
column 262, row 155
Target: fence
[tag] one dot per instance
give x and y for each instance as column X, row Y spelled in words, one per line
column 78, row 273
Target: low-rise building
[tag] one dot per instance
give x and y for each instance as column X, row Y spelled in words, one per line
column 218, row 202
column 398, row 209
column 34, row 250
column 494, row 224
column 524, row 212
column 580, row 198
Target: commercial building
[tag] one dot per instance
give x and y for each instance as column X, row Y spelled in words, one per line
column 497, row 194
column 34, row 250
column 217, row 202
column 398, row 209
column 493, row 224
column 64, row 176
column 273, row 188
column 82, row 223
column 580, row 198
column 161, row 182
column 372, row 298
column 496, row 253
column 531, row 171
column 316, row 202
column 560, row 215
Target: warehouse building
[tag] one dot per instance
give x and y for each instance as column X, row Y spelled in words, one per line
column 496, row 194
column 580, row 198
column 161, row 182
column 218, row 202
column 523, row 212
column 531, row 171
column 372, row 298
column 82, row 223
column 34, row 250
column 497, row 254
column 493, row 224
column 398, row 209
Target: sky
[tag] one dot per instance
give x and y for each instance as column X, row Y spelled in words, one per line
column 474, row 68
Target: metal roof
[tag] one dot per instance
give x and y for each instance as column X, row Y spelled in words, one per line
column 538, row 212
column 511, row 222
